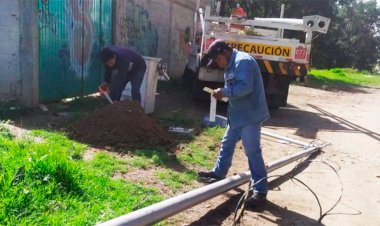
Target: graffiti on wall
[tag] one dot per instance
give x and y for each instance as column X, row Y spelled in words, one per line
column 80, row 35
column 136, row 27
column 47, row 20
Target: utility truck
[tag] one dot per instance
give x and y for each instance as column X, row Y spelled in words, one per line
column 280, row 59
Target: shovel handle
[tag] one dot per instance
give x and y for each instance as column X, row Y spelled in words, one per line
column 105, row 93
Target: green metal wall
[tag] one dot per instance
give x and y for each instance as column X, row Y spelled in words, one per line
column 71, row 34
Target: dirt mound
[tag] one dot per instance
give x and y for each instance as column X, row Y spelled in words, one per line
column 122, row 125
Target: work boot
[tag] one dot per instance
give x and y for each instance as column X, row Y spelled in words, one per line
column 209, row 177
column 257, row 200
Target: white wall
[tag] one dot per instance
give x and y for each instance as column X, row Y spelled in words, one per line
column 10, row 81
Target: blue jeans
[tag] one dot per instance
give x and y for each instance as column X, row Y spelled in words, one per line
column 250, row 136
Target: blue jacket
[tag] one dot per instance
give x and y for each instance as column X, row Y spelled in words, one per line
column 245, row 90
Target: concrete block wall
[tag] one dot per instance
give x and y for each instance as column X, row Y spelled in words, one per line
column 10, row 80
column 156, row 28
column 183, row 17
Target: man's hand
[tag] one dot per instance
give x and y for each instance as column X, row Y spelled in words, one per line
column 217, row 94
column 104, row 87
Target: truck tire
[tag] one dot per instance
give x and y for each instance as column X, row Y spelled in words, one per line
column 188, row 78
column 276, row 89
column 191, row 83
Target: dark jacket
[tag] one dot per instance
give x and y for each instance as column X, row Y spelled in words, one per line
column 127, row 61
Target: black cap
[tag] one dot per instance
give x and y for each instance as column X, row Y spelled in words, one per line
column 216, row 47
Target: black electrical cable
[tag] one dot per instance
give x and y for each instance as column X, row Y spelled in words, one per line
column 322, row 145
column 241, row 202
column 341, row 189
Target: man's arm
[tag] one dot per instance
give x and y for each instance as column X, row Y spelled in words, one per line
column 107, row 75
column 243, row 81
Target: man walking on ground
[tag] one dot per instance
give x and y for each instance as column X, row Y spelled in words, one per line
column 247, row 110
column 128, row 65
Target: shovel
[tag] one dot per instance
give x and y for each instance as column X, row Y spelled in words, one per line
column 105, row 93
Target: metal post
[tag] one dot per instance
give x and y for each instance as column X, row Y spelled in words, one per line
column 172, row 206
column 29, row 58
column 302, row 144
column 281, row 31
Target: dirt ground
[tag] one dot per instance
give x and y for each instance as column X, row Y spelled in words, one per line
column 346, row 119
column 122, row 125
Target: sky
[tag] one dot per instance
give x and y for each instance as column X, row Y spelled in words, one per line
column 378, row 2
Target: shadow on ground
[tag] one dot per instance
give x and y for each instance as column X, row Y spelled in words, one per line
column 332, row 85
column 271, row 212
column 307, row 124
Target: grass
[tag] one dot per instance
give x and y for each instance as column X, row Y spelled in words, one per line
column 108, row 164
column 147, row 158
column 177, row 120
column 4, row 132
column 202, row 151
column 343, row 76
column 176, row 180
column 45, row 181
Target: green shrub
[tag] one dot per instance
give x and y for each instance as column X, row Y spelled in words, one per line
column 338, row 71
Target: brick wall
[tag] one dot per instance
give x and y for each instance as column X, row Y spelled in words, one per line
column 10, row 87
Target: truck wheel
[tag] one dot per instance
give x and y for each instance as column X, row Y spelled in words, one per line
column 188, row 78
column 276, row 90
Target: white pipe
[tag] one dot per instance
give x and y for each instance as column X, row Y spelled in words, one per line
column 282, row 16
column 203, row 26
column 212, row 109
column 303, row 144
column 195, row 26
column 272, row 166
column 169, row 207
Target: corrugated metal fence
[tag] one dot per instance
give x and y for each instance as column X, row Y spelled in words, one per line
column 71, row 34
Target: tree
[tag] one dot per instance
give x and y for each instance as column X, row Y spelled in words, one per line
column 361, row 33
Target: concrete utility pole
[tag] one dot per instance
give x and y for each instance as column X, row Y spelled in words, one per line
column 29, row 58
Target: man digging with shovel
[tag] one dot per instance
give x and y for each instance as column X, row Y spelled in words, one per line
column 122, row 65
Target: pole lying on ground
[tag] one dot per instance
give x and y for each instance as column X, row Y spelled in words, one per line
column 172, row 206
column 300, row 143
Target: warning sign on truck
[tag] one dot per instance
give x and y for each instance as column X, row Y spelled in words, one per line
column 254, row 48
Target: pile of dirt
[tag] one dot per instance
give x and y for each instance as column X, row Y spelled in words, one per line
column 121, row 125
